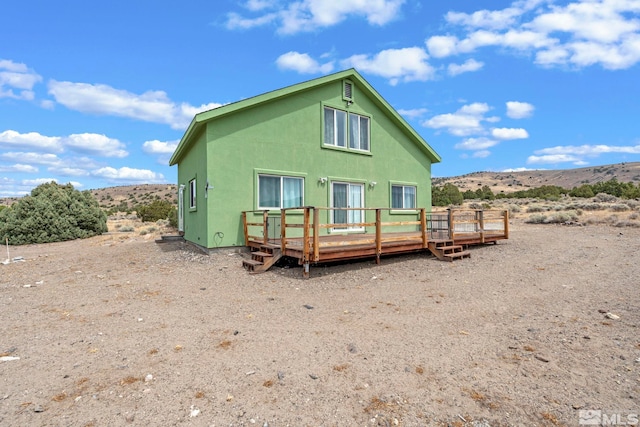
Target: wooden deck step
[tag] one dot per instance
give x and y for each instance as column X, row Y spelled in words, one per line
column 458, row 255
column 446, row 250
column 262, row 260
column 261, row 254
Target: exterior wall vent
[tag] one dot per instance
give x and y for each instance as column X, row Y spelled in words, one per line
column 347, row 90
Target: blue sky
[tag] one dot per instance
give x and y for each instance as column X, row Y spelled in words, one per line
column 99, row 94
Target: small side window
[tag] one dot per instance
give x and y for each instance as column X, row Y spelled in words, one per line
column 192, row 194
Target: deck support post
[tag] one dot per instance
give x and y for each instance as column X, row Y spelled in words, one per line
column 423, row 227
column 265, row 227
column 506, row 224
column 378, row 235
column 305, row 243
column 480, row 219
column 245, row 228
column 451, row 225
column 283, row 230
column 316, row 234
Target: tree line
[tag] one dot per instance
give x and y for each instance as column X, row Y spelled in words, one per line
column 450, row 194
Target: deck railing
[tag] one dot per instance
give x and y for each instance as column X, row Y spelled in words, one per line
column 300, row 228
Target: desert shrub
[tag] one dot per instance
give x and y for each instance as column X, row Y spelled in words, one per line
column 606, row 198
column 634, row 216
column 126, row 228
column 173, row 217
column 158, row 209
column 475, row 205
column 446, row 195
column 536, row 208
column 619, row 207
column 562, row 217
column 536, row 219
column 2, row 207
column 592, row 206
column 152, row 229
column 633, row 204
column 143, row 232
column 514, row 209
column 52, row 213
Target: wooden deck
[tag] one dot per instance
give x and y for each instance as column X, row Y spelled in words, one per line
column 299, row 233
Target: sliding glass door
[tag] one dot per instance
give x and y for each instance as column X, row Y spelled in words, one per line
column 347, row 195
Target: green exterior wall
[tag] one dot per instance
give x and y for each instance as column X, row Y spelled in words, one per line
column 285, row 137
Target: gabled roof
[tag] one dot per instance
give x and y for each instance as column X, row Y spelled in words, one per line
column 201, row 119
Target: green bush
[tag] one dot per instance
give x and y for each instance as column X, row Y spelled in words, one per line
column 52, row 213
column 158, row 209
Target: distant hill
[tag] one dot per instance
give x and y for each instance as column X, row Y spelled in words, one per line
column 508, row 182
column 132, row 195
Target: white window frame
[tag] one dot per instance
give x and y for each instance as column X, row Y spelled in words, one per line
column 336, row 134
column 404, row 187
column 192, row 194
column 351, row 214
column 358, row 138
column 282, row 179
column 352, row 141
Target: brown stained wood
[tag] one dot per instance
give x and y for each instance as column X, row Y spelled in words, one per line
column 313, row 247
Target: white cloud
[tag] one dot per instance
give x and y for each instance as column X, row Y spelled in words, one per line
column 31, row 158
column 577, row 34
column 469, row 65
column 481, row 154
column 509, row 133
column 68, row 171
column 19, row 168
column 442, row 46
column 519, row 110
column 464, row 122
column 12, row 138
column 481, row 143
column 310, row 15
column 495, row 19
column 17, row 76
column 302, row 63
column 159, row 147
column 413, row 113
column 94, row 144
column 127, row 174
column 37, row 181
column 553, row 158
column 589, row 150
column 407, row 64
column 151, row 106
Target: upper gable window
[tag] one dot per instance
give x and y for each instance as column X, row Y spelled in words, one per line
column 340, row 127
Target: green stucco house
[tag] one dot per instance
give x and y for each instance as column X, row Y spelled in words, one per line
column 328, row 142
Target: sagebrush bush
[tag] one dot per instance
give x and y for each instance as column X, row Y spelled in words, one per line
column 562, row 217
column 619, row 207
column 52, row 213
column 604, row 197
column 536, row 208
column 536, row 219
column 126, row 228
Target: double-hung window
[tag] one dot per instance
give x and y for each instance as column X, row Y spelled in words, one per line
column 276, row 192
column 358, row 132
column 342, row 128
column 403, row 197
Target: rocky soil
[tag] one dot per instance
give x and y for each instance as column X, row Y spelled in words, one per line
column 118, row 330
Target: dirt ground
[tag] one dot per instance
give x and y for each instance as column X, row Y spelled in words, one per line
column 118, row 330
